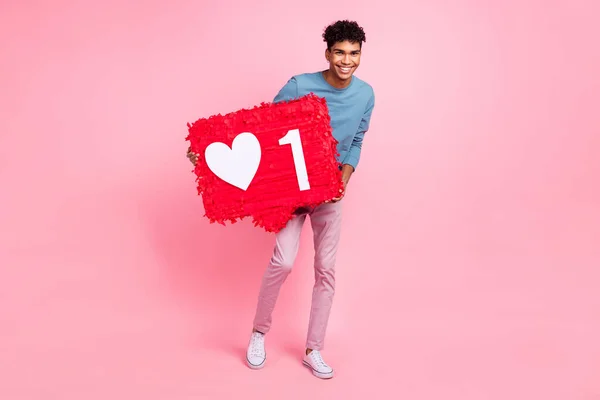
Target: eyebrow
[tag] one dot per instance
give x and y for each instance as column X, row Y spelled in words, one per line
column 353, row 51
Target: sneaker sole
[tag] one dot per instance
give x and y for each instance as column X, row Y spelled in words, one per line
column 318, row 374
column 252, row 366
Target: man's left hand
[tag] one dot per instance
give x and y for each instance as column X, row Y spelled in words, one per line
column 347, row 171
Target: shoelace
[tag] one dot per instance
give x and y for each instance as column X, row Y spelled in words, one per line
column 316, row 356
column 256, row 347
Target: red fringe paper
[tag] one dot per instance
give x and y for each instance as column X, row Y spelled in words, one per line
column 273, row 195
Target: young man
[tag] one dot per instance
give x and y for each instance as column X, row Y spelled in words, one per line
column 350, row 102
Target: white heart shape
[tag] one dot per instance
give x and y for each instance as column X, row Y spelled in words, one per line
column 236, row 165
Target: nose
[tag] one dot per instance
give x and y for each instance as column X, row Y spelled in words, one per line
column 346, row 59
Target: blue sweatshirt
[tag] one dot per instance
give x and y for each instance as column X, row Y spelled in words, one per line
column 350, row 109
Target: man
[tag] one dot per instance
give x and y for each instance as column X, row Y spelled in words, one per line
column 350, row 102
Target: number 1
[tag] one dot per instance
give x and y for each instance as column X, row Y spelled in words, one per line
column 293, row 138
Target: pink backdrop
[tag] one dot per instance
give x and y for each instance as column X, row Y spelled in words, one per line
column 479, row 181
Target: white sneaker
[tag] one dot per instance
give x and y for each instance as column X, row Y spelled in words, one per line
column 319, row 368
column 256, row 355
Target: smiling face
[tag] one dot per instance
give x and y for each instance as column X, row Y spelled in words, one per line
column 344, row 59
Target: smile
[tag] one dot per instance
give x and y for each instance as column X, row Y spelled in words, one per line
column 345, row 70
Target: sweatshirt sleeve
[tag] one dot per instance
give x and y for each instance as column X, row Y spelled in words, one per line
column 288, row 92
column 353, row 155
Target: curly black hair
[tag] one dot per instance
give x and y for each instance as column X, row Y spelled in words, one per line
column 344, row 30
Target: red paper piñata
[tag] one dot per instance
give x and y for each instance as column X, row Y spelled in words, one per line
column 284, row 158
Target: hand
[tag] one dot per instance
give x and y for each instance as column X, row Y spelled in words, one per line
column 342, row 190
column 193, row 157
column 347, row 171
column 340, row 197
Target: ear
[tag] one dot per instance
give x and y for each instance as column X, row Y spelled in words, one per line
column 327, row 54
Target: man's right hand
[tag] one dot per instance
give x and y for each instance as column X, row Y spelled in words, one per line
column 193, row 157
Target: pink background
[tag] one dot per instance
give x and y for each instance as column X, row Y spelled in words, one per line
column 479, row 180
